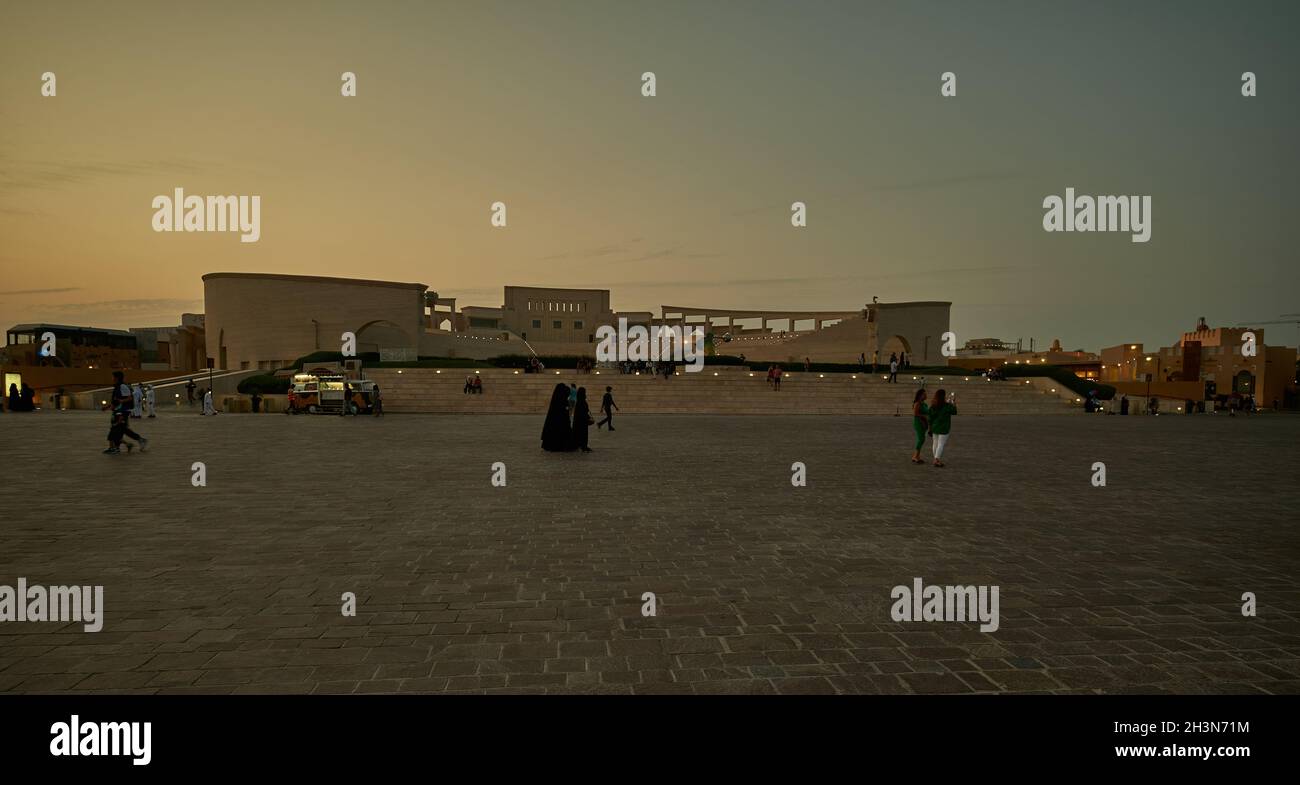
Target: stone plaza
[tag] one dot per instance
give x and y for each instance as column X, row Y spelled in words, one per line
column 761, row 586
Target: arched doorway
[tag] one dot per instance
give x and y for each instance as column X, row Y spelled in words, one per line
column 897, row 345
column 374, row 337
column 1244, row 383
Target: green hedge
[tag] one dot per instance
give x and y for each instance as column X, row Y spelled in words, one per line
column 265, row 384
column 1063, row 376
column 550, row 361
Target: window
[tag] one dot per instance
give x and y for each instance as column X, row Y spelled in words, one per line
column 537, row 324
column 557, row 324
column 577, row 324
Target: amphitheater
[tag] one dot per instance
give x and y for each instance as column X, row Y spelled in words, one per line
column 727, row 390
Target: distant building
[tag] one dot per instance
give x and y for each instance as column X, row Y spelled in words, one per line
column 266, row 321
column 1212, row 357
column 180, row 348
column 74, row 347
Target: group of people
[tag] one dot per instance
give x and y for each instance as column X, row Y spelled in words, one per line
column 664, row 368
column 568, row 418
column 897, row 362
column 933, row 419
column 534, row 365
column 474, row 385
column 144, row 402
column 22, row 400
column 774, row 374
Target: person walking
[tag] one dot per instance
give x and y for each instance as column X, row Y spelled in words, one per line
column 941, row 412
column 557, row 434
column 150, row 402
column 377, row 401
column 776, row 377
column 581, row 420
column 893, row 368
column 189, row 392
column 607, row 407
column 122, row 403
column 137, row 401
column 208, row 408
column 920, row 424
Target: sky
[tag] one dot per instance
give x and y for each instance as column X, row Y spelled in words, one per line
column 681, row 198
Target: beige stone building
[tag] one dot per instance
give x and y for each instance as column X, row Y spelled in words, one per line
column 265, row 321
column 1216, row 357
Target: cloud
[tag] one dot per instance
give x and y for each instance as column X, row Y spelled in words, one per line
column 43, row 291
column 595, row 253
column 18, row 175
column 918, row 185
column 114, row 313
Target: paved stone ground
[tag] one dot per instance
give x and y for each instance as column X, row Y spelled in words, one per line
column 762, row 587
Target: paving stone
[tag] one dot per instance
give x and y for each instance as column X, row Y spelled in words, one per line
column 762, row 588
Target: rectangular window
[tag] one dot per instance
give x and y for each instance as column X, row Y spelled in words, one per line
column 577, row 324
column 537, row 324
column 556, row 324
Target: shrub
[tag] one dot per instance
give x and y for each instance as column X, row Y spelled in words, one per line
column 1064, row 377
column 265, row 384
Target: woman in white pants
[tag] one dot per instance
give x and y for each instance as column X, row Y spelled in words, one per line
column 941, row 412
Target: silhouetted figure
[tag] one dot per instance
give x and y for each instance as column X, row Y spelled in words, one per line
column 607, row 407
column 122, row 404
column 189, row 392
column 557, row 436
column 581, row 421
column 15, row 399
column 28, row 396
column 1123, row 405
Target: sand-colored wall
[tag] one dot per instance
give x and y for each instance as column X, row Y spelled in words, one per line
column 266, row 321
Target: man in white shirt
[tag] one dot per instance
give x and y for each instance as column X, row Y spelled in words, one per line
column 137, row 398
column 150, row 403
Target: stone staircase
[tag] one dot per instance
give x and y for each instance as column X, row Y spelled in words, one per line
column 720, row 391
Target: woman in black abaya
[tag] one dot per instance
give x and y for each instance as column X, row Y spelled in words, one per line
column 557, row 436
column 581, row 421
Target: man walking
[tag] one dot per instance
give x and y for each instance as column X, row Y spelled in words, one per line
column 893, row 368
column 122, row 403
column 150, row 402
column 137, row 401
column 189, row 392
column 607, row 406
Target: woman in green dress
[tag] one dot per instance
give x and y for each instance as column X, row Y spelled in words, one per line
column 920, row 423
